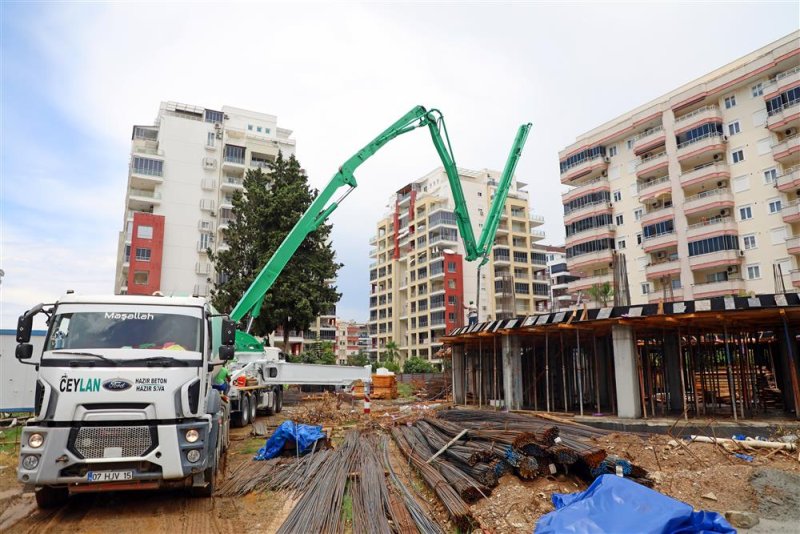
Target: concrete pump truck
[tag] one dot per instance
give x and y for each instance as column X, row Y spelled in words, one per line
column 124, row 397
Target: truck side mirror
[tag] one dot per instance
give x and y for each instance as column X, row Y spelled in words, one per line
column 24, row 351
column 24, row 327
column 226, row 352
column 228, row 332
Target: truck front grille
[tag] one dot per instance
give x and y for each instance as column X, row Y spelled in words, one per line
column 124, row 441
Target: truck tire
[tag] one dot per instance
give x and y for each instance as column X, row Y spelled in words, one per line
column 242, row 417
column 48, row 497
column 253, row 408
column 279, row 399
column 210, row 476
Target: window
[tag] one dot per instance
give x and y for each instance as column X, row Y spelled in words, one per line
column 638, row 239
column 206, row 240
column 266, row 130
column 250, row 127
column 637, row 213
column 617, row 195
column 749, row 242
column 770, row 175
column 737, row 155
column 480, row 194
column 741, row 183
column 713, row 244
column 645, row 288
column 753, row 272
column 150, row 167
column 676, row 283
column 733, row 128
column 745, row 212
column 629, row 143
column 451, row 284
column 451, row 300
column 619, row 220
column 142, row 254
column 480, row 212
column 620, row 244
column 140, row 278
column 612, row 151
column 211, row 139
column 730, row 101
column 757, row 89
column 258, row 129
column 778, row 235
column 775, row 205
column 451, row 266
column 214, row 116
column 127, row 253
column 144, row 232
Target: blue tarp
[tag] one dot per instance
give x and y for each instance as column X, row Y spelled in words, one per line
column 303, row 435
column 617, row 505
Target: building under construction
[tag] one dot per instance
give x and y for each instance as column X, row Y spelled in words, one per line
column 730, row 357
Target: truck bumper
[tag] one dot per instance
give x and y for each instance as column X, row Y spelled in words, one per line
column 72, row 455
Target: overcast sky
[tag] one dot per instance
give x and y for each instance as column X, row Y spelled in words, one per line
column 76, row 77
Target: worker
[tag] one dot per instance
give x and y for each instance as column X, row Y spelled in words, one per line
column 472, row 313
column 222, row 381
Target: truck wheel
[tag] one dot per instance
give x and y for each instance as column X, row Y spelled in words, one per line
column 278, row 400
column 253, row 408
column 210, row 476
column 241, row 417
column 49, row 497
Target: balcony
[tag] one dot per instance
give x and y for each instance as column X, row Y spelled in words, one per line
column 698, row 117
column 733, row 286
column 226, row 202
column 793, row 244
column 786, row 117
column 653, row 188
column 224, row 223
column 795, row 277
column 536, row 220
column 657, row 295
column 144, row 179
column 651, row 164
column 788, row 150
column 590, row 234
column 537, row 235
column 695, row 149
column 589, row 281
column 711, row 227
column 592, row 186
column 143, row 199
column 585, row 170
column 715, row 199
column 715, row 259
column 790, row 212
column 659, row 241
column 587, row 210
column 233, row 164
column 661, row 268
column 502, row 259
column 658, row 215
column 789, row 180
column 710, row 172
column 783, row 81
column 231, row 183
column 650, row 140
column 576, row 263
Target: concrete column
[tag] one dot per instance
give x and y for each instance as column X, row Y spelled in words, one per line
column 459, row 376
column 672, row 369
column 626, row 373
column 512, row 371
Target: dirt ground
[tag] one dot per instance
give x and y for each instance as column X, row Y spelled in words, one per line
column 768, row 486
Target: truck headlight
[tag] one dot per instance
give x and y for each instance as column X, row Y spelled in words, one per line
column 192, row 435
column 35, row 441
column 193, row 455
column 30, row 462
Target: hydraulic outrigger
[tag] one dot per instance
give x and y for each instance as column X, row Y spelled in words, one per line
column 322, row 207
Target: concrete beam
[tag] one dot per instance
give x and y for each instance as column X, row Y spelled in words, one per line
column 626, row 372
column 512, row 371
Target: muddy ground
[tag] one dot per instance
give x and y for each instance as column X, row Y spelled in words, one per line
column 768, row 486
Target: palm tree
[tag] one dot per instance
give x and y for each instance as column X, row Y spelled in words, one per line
column 391, row 351
column 601, row 293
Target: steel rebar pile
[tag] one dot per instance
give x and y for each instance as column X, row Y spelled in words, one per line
column 369, row 493
column 247, row 477
column 452, row 501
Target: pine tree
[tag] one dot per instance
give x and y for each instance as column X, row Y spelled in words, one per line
column 271, row 205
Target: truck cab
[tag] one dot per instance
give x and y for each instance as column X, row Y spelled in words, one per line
column 124, row 397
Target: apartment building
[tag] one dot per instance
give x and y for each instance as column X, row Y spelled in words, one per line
column 348, row 338
column 183, row 171
column 698, row 189
column 560, row 278
column 420, row 284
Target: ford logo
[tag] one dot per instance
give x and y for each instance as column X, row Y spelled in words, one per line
column 117, row 384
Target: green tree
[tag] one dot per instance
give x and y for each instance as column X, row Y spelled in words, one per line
column 321, row 353
column 262, row 217
column 361, row 359
column 418, row 365
column 601, row 292
column 392, row 351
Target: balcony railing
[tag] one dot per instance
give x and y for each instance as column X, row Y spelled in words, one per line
column 644, row 161
column 581, row 162
column 711, row 222
column 234, row 159
column 644, row 135
column 695, row 113
column 709, row 135
column 707, row 194
column 144, row 193
column 652, row 183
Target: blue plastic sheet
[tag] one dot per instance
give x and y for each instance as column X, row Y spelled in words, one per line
column 303, row 435
column 617, row 505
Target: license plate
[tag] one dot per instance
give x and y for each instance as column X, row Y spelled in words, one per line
column 108, row 476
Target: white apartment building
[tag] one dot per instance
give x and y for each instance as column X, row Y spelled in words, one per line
column 183, row 171
column 420, row 284
column 700, row 188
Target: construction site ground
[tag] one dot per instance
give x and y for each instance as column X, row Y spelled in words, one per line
column 706, row 476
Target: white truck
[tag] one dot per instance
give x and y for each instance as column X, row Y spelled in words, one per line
column 124, row 396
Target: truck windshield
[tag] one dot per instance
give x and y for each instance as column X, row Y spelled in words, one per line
column 124, row 330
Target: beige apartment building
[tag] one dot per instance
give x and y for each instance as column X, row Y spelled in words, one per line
column 699, row 189
column 420, row 284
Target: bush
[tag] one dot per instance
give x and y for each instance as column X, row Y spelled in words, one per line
column 418, row 365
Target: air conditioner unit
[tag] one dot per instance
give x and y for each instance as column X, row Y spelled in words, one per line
column 733, row 269
column 722, row 183
column 604, row 173
column 724, row 138
column 661, row 254
column 741, row 253
column 790, row 131
column 724, row 212
column 717, row 156
column 213, row 213
column 219, row 134
column 606, row 159
column 217, row 126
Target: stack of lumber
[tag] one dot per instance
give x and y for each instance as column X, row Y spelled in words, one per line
column 382, row 387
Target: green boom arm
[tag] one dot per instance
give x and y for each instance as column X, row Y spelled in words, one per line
column 322, row 207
